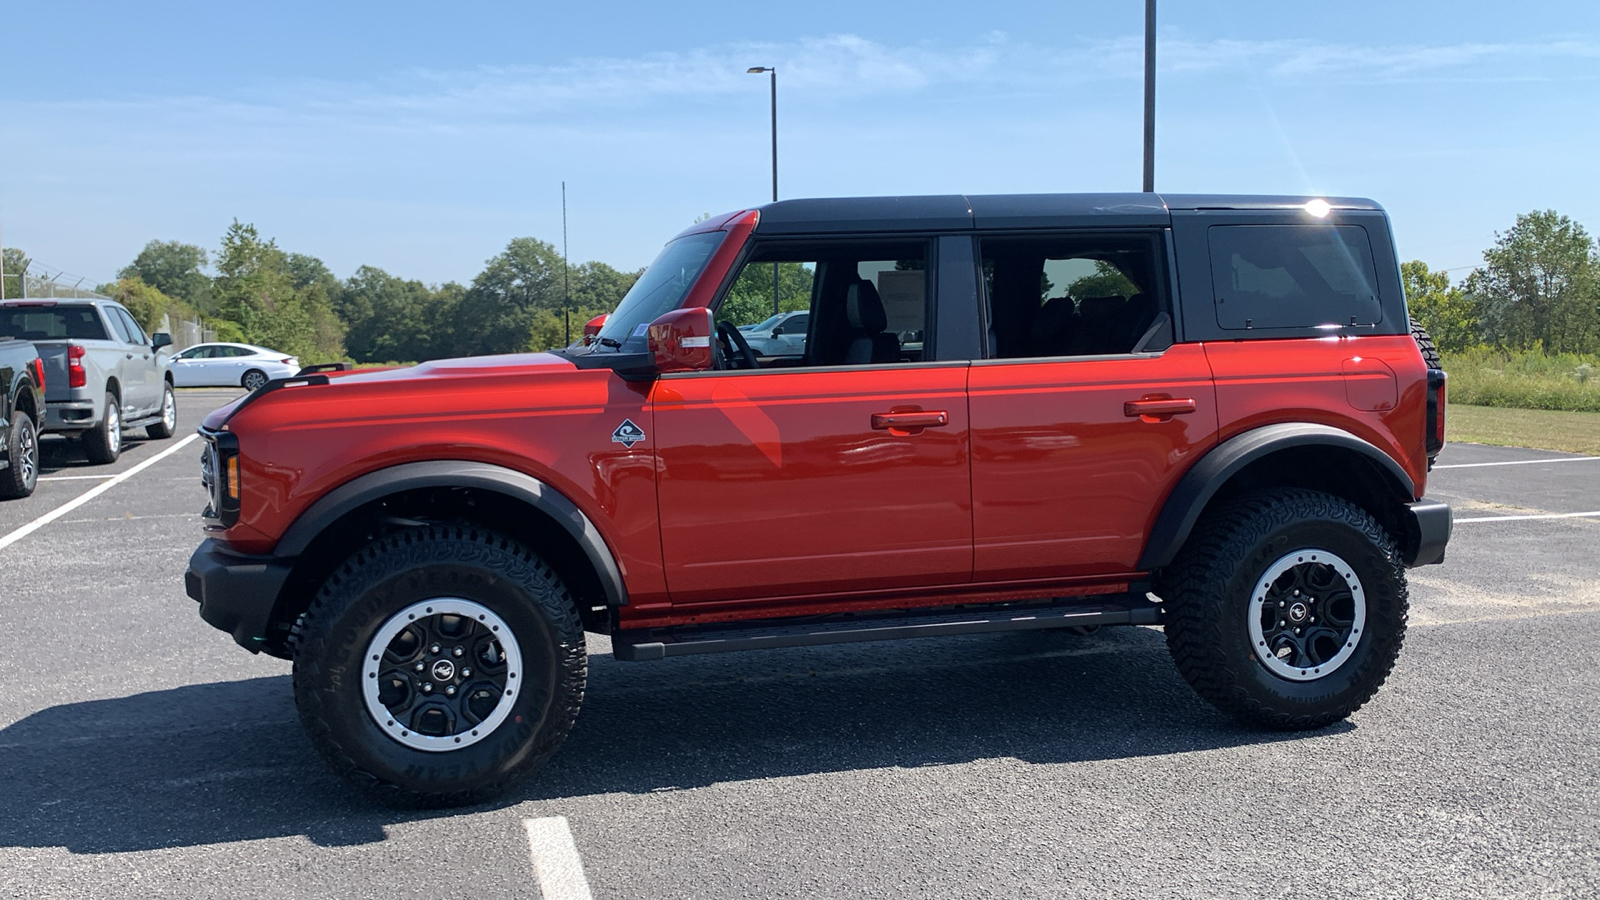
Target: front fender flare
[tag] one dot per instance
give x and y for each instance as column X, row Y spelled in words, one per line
column 1188, row 500
column 459, row 474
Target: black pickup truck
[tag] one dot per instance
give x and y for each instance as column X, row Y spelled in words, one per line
column 21, row 403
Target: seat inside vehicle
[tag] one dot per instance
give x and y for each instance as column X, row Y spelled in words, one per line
column 1073, row 296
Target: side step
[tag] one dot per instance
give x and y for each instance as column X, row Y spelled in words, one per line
column 659, row 643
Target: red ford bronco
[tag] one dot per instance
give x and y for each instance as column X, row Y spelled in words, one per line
column 1207, row 413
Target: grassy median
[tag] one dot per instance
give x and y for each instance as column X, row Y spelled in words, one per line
column 1575, row 432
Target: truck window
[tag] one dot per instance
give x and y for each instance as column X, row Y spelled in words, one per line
column 1293, row 276
column 52, row 324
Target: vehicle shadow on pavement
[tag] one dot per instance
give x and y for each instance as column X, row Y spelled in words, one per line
column 58, row 455
column 217, row 763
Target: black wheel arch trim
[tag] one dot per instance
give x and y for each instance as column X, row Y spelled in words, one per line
column 1188, row 500
column 459, row 474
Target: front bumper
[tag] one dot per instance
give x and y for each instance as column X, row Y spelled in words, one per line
column 236, row 592
column 1427, row 531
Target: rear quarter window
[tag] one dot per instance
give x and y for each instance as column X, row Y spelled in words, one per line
column 1293, row 276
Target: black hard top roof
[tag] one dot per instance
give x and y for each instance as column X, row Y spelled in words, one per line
column 959, row 211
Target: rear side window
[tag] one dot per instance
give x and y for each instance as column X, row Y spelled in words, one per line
column 52, row 323
column 1293, row 276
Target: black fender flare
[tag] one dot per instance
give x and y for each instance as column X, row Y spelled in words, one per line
column 459, row 474
column 1202, row 481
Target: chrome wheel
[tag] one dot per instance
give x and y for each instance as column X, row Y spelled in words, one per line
column 442, row 674
column 169, row 410
column 113, row 428
column 1306, row 615
column 28, row 455
column 254, row 379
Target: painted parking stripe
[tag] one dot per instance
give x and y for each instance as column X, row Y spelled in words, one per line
column 90, row 494
column 75, row 477
column 556, row 862
column 1582, row 515
column 1520, row 462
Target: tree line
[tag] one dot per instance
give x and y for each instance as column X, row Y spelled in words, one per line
column 259, row 293
column 1538, row 289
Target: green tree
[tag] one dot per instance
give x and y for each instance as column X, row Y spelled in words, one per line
column 1538, row 287
column 147, row 303
column 1443, row 309
column 16, row 265
column 388, row 318
column 750, row 299
column 173, row 268
column 497, row 312
column 256, row 289
column 1106, row 281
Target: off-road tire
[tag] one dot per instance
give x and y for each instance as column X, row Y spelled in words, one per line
column 1207, row 594
column 379, row 583
column 169, row 415
column 102, row 444
column 1430, row 353
column 22, row 452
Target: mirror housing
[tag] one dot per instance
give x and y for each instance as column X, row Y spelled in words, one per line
column 591, row 328
column 680, row 341
column 160, row 339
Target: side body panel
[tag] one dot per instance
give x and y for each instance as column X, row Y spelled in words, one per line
column 779, row 483
column 1066, row 477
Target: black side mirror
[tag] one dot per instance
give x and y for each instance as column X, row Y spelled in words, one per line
column 777, row 331
column 160, row 339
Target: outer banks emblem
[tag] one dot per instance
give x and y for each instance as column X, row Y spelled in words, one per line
column 627, row 434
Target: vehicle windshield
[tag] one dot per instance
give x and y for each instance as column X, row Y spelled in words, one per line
column 770, row 323
column 659, row 290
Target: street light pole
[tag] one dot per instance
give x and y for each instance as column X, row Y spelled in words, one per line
column 773, row 70
column 1149, row 96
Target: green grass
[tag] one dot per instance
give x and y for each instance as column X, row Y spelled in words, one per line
column 1575, row 432
column 1524, row 380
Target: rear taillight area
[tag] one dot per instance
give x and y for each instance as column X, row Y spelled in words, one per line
column 76, row 376
column 38, row 373
column 1436, row 391
column 219, row 475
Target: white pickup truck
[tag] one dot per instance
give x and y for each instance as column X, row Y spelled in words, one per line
column 103, row 375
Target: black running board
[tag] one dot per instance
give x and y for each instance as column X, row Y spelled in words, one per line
column 659, row 643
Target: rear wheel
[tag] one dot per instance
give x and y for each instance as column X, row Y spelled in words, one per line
column 169, row 415
column 253, row 379
column 439, row 666
column 103, row 443
column 22, row 450
column 1286, row 608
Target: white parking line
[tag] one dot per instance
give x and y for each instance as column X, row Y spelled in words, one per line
column 90, row 494
column 75, row 477
column 1519, row 462
column 1582, row 515
column 555, row 859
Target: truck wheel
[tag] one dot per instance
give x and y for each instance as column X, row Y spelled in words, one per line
column 1430, row 352
column 20, row 478
column 439, row 666
column 169, row 416
column 253, row 380
column 103, row 443
column 1286, row 608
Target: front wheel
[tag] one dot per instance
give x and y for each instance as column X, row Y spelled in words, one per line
column 169, row 415
column 1286, row 608
column 439, row 666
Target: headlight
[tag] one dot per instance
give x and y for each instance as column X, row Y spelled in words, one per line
column 219, row 474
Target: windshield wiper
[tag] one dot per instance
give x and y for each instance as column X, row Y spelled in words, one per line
column 610, row 342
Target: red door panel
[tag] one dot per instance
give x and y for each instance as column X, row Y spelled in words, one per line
column 1072, row 457
column 786, row 483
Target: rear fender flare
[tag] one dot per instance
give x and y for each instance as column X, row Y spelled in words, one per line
column 1195, row 490
column 459, row 474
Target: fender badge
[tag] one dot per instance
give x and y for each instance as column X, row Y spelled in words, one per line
column 627, row 434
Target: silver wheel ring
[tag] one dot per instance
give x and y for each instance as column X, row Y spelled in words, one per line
column 1258, row 599
column 372, row 663
column 113, row 427
column 169, row 410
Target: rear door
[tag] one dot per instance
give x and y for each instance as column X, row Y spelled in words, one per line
column 142, row 385
column 1087, row 412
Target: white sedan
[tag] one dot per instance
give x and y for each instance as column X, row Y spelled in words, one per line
column 211, row 365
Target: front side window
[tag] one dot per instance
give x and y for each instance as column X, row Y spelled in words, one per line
column 1293, row 276
column 659, row 290
column 1073, row 295
column 832, row 303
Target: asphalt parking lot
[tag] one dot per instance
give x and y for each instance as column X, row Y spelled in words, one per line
column 146, row 755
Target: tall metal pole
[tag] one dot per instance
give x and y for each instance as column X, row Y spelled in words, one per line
column 566, row 293
column 773, row 70
column 1149, row 95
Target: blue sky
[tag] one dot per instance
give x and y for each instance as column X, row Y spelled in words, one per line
column 421, row 137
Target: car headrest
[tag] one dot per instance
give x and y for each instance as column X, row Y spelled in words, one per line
column 864, row 308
